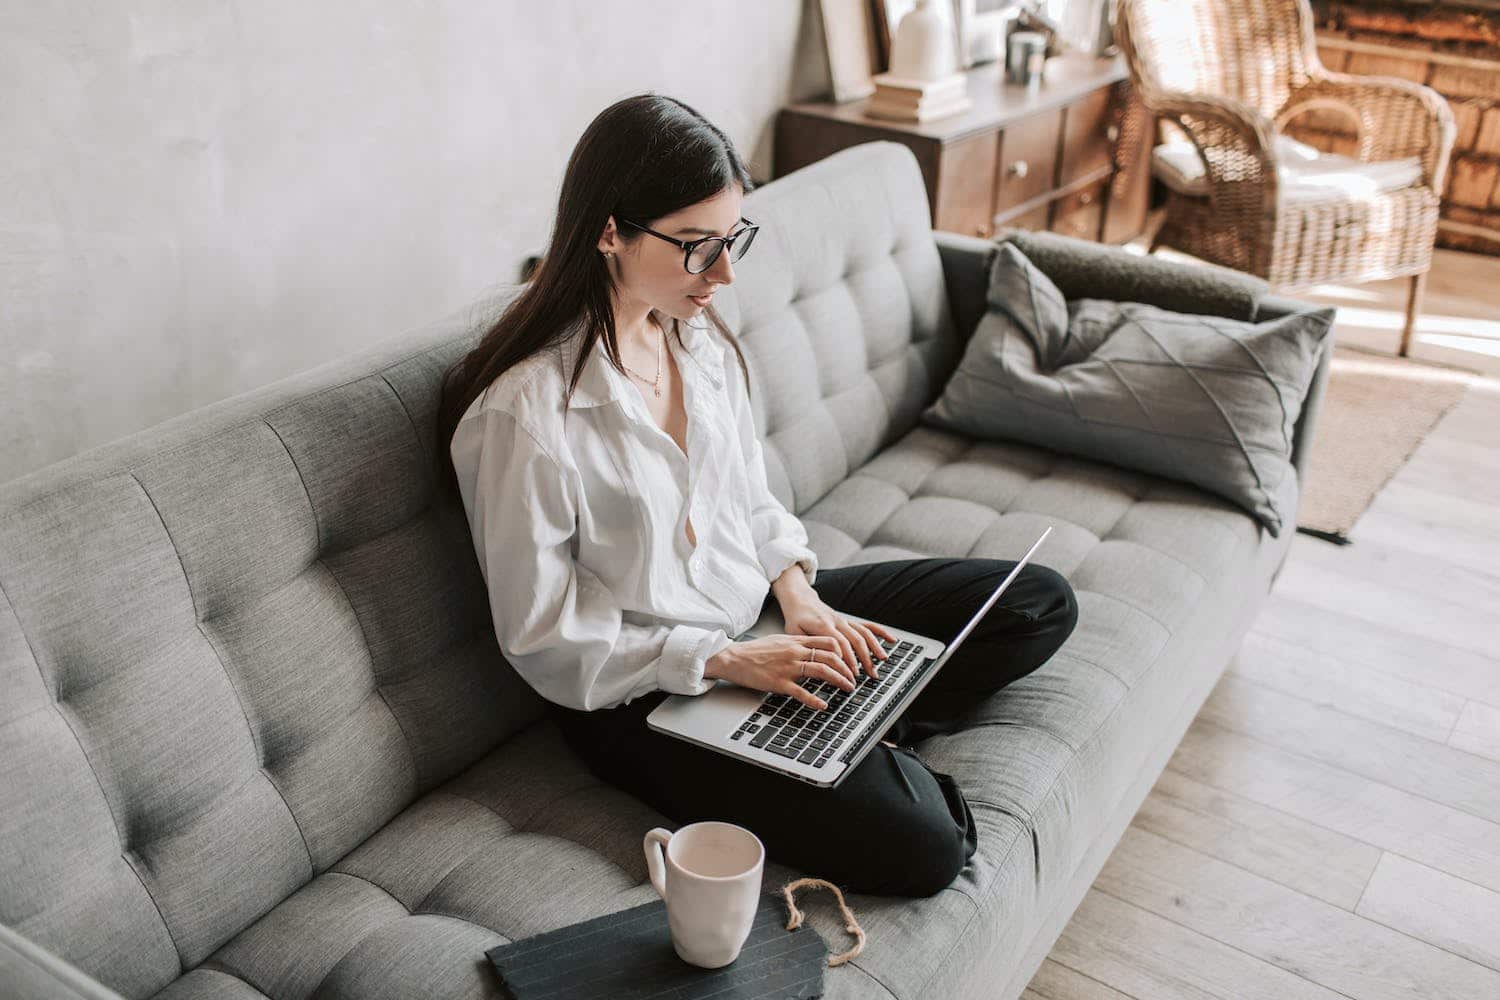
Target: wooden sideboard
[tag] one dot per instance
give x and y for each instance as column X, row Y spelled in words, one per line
column 1070, row 155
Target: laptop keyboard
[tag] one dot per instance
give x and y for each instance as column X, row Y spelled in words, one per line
column 788, row 728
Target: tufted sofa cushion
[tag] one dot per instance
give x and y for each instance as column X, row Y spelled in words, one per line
column 257, row 739
column 843, row 316
column 232, row 647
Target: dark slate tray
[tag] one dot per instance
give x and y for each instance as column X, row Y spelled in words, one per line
column 629, row 956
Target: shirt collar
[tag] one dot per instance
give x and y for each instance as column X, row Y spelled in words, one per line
column 600, row 382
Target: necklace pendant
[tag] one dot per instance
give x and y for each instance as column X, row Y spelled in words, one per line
column 658, row 390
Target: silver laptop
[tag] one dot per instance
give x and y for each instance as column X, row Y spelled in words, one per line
column 780, row 733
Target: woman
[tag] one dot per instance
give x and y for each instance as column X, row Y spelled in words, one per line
column 616, row 492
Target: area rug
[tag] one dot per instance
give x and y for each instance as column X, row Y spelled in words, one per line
column 1376, row 411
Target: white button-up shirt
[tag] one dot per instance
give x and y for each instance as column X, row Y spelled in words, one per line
column 597, row 595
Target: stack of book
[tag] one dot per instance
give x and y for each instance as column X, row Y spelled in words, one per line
column 905, row 99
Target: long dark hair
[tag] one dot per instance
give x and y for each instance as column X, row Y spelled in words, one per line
column 643, row 158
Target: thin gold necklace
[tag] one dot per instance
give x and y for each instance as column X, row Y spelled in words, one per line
column 657, row 381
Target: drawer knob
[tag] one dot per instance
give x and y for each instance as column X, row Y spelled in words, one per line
column 1020, row 168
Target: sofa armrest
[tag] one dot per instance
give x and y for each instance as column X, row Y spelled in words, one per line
column 1083, row 269
column 1272, row 306
column 30, row 972
column 966, row 273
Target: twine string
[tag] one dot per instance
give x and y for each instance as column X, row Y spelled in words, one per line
column 850, row 924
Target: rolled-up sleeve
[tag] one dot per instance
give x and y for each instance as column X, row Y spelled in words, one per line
column 780, row 537
column 560, row 628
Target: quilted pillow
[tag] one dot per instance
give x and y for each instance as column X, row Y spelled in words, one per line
column 1201, row 399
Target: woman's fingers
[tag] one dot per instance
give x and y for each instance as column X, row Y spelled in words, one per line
column 866, row 644
column 846, row 649
column 837, row 652
column 857, row 644
column 872, row 643
column 819, row 670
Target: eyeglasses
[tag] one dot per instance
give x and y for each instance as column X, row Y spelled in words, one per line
column 699, row 255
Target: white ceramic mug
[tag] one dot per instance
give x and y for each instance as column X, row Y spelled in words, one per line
column 709, row 875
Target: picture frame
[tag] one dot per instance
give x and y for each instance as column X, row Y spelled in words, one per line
column 850, row 37
column 982, row 27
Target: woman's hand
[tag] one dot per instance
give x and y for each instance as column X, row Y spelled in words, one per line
column 857, row 641
column 779, row 663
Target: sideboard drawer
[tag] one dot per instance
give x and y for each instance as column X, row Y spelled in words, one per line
column 1080, row 213
column 1028, row 160
column 1088, row 136
column 965, row 172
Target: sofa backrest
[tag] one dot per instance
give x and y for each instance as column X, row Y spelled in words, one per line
column 231, row 648
column 843, row 315
column 236, row 644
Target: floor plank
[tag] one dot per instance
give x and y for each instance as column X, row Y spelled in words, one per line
column 1383, row 645
column 1431, row 770
column 1354, row 687
column 1304, row 936
column 1434, row 615
column 1434, row 510
column 1461, row 468
column 1474, row 417
column 1276, row 845
column 1362, row 809
column 1474, row 588
column 1478, row 730
column 1441, row 544
column 1455, row 915
column 1149, row 956
column 1054, row 981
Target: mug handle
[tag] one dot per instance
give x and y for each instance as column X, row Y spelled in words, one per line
column 656, row 865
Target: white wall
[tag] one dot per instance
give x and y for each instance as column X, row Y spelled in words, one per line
column 198, row 198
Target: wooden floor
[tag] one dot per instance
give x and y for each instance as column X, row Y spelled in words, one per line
column 1330, row 825
column 1458, row 324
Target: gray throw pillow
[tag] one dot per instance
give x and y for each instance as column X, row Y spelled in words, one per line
column 1201, row 399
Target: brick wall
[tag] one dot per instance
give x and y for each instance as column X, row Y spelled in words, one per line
column 1456, row 51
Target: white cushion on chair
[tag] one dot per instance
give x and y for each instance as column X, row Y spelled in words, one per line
column 1307, row 174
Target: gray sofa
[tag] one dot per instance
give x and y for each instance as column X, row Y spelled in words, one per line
column 257, row 739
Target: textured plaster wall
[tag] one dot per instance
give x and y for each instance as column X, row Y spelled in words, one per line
column 198, row 198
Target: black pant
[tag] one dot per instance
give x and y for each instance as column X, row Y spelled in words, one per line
column 892, row 827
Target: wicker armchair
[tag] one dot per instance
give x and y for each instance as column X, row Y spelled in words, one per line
column 1231, row 73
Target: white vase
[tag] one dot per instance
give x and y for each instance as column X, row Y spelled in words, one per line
column 923, row 46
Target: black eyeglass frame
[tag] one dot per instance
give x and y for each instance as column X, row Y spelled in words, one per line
column 688, row 246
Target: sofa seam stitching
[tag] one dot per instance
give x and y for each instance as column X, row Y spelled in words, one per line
column 198, row 622
column 218, row 657
column 421, row 443
column 370, row 882
column 521, row 829
column 1149, row 548
column 94, row 771
column 374, row 680
column 364, row 636
column 301, row 481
